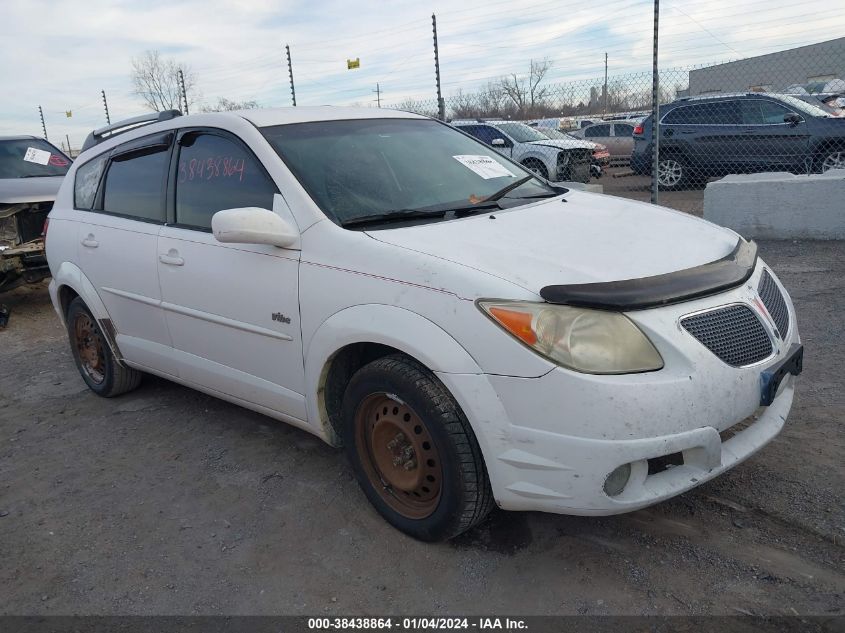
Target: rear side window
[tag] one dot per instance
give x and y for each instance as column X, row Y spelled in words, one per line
column 135, row 184
column 597, row 130
column 712, row 113
column 86, row 183
column 217, row 173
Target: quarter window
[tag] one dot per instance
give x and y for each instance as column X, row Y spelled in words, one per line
column 86, row 183
column 135, row 184
column 216, row 173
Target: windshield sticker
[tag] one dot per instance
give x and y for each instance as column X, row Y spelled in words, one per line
column 58, row 161
column 38, row 156
column 484, row 166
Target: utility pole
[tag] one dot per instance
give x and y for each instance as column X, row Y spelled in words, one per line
column 290, row 74
column 441, row 105
column 655, row 108
column 106, row 106
column 67, row 138
column 43, row 126
column 184, row 92
column 378, row 95
column 605, row 83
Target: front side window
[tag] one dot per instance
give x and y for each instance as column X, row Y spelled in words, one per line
column 361, row 168
column 217, row 173
column 623, row 129
column 597, row 130
column 135, row 184
column 31, row 158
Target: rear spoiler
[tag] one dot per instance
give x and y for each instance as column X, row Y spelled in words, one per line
column 105, row 133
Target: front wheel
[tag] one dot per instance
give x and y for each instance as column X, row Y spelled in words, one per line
column 536, row 166
column 413, row 451
column 833, row 160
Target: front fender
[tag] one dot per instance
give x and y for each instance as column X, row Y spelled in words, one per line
column 388, row 325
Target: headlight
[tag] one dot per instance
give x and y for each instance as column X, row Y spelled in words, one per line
column 589, row 341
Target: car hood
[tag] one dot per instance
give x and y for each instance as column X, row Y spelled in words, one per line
column 587, row 238
column 15, row 190
column 565, row 144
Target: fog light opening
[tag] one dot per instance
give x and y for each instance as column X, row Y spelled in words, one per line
column 617, row 480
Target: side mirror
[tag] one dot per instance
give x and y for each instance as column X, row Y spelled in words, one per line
column 498, row 142
column 792, row 118
column 252, row 225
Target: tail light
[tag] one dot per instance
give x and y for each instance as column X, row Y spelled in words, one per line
column 638, row 130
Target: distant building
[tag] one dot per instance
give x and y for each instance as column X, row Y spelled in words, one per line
column 816, row 63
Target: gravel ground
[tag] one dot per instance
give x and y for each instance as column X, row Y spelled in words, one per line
column 166, row 501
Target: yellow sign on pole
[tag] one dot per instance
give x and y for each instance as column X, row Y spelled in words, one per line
column 353, row 63
column 68, row 113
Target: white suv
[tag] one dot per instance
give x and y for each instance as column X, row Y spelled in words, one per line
column 471, row 335
column 553, row 159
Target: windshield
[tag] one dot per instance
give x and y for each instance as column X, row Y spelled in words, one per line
column 520, row 132
column 802, row 106
column 370, row 167
column 30, row 158
column 555, row 134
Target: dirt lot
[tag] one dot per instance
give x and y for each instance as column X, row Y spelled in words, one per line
column 165, row 501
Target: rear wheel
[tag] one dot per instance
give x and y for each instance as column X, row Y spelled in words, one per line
column 672, row 173
column 535, row 165
column 93, row 356
column 413, row 451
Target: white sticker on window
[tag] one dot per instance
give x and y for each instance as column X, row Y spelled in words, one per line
column 34, row 155
column 485, row 166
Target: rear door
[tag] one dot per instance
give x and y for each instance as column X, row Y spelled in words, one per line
column 117, row 244
column 601, row 134
column 622, row 141
column 232, row 309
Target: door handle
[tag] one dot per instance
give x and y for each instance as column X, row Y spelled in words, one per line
column 90, row 242
column 171, row 258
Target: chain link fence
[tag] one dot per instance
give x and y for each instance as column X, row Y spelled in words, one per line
column 782, row 112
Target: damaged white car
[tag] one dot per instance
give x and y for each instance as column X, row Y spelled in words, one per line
column 31, row 170
column 473, row 336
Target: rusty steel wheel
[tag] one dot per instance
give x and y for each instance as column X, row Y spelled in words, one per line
column 398, row 455
column 89, row 348
column 95, row 360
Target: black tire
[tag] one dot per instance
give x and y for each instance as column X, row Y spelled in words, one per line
column 465, row 497
column 673, row 173
column 100, row 371
column 535, row 165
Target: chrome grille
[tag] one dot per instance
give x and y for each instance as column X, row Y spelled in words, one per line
column 774, row 302
column 733, row 333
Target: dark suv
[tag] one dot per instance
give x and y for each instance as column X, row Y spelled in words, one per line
column 702, row 137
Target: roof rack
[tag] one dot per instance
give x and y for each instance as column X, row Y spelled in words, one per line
column 105, row 133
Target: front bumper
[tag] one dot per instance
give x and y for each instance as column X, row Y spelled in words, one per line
column 551, row 442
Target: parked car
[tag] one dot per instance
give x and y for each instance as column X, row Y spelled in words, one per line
column 31, row 170
column 472, row 335
column 702, row 137
column 600, row 158
column 553, row 160
column 618, row 137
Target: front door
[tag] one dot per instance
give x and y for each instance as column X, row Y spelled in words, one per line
column 777, row 142
column 232, row 309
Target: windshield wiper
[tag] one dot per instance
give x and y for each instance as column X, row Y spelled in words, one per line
column 507, row 189
column 399, row 215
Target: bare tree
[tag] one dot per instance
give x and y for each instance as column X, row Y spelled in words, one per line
column 227, row 105
column 156, row 81
column 525, row 92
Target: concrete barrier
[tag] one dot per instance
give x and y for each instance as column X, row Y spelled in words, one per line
column 779, row 205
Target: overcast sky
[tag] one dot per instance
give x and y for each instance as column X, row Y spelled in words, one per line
column 60, row 53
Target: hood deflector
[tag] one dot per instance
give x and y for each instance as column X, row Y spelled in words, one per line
column 649, row 292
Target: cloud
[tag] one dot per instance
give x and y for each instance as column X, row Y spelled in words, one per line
column 59, row 54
